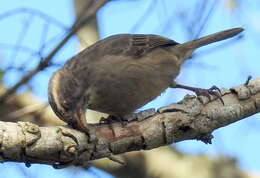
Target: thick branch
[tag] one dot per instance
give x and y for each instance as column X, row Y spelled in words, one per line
column 192, row 118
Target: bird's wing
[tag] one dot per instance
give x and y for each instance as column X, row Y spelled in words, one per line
column 131, row 44
column 140, row 44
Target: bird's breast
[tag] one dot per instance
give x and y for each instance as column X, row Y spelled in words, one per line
column 121, row 87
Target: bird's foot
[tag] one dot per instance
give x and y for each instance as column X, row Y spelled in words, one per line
column 214, row 90
column 206, row 138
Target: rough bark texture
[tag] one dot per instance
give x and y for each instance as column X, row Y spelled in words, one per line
column 191, row 118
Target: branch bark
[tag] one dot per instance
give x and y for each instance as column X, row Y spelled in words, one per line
column 191, row 118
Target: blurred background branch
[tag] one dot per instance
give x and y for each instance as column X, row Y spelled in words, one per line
column 89, row 10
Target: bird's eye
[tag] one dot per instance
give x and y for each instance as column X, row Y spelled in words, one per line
column 65, row 105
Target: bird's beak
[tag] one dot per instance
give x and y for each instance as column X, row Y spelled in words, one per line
column 81, row 120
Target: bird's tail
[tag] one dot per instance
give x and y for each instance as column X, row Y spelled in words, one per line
column 187, row 48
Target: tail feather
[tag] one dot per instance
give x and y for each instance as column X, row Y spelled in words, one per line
column 187, row 48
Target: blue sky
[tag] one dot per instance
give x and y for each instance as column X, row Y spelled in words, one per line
column 225, row 66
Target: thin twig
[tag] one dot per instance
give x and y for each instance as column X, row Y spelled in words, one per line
column 44, row 34
column 26, row 26
column 145, row 15
column 20, row 47
column 88, row 13
column 34, row 12
column 205, row 20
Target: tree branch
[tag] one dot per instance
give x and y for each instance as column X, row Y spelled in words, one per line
column 191, row 118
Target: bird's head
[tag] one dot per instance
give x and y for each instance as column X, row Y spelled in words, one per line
column 65, row 97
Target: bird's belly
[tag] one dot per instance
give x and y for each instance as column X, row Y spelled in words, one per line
column 122, row 94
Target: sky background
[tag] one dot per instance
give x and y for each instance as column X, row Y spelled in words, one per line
column 223, row 64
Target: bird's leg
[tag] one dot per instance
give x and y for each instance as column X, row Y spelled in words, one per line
column 214, row 90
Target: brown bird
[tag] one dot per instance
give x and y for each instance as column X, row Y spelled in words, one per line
column 121, row 73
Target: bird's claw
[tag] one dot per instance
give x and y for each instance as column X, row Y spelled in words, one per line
column 214, row 90
column 248, row 80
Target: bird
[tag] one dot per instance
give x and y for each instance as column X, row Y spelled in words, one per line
column 121, row 73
